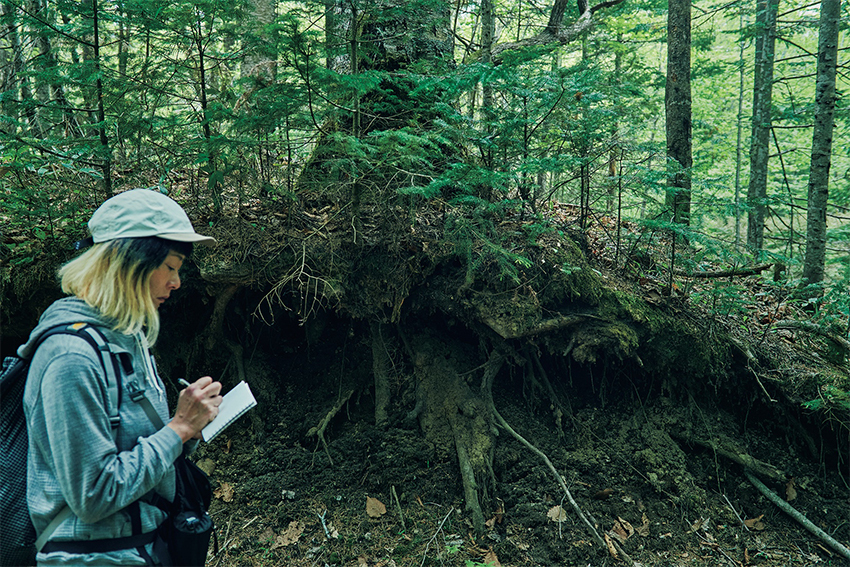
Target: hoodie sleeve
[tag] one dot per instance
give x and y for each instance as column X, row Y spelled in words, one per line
column 75, row 437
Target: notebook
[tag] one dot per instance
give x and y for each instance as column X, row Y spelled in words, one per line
column 236, row 402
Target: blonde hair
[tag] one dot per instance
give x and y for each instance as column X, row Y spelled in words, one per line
column 114, row 278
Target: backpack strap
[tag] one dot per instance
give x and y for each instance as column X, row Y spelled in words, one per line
column 137, row 394
column 110, row 360
column 113, row 366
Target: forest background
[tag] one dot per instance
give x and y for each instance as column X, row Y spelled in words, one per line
column 479, row 107
column 700, row 140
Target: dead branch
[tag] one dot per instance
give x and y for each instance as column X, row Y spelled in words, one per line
column 579, row 512
column 726, row 448
column 805, row 522
column 734, row 272
column 555, row 32
column 319, row 430
column 814, row 329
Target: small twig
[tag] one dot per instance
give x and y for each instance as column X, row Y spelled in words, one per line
column 433, row 537
column 579, row 512
column 398, row 505
column 805, row 522
column 736, row 513
column 324, row 525
column 221, row 551
column 319, row 430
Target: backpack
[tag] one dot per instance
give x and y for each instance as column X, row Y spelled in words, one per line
column 187, row 531
column 18, row 545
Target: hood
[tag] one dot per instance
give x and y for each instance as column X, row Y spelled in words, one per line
column 62, row 312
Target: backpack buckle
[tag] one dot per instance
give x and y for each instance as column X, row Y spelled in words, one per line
column 136, row 392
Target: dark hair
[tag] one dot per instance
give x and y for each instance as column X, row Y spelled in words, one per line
column 153, row 250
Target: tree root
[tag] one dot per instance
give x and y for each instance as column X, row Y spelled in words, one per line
column 788, row 509
column 589, row 522
column 547, row 326
column 728, row 450
column 470, row 485
column 216, row 324
column 380, row 360
column 319, row 430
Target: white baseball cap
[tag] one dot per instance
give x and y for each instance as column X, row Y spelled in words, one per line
column 143, row 212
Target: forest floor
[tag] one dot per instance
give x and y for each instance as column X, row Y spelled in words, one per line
column 656, row 471
column 640, row 469
column 383, row 502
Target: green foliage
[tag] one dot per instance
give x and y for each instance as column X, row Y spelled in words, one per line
column 208, row 101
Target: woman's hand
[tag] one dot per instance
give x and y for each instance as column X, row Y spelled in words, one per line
column 196, row 407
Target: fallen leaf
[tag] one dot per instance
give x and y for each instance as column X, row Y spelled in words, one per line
column 622, row 530
column 755, row 523
column 556, row 514
column 626, row 526
column 224, row 492
column 499, row 514
column 790, row 491
column 618, row 532
column 375, row 508
column 611, row 549
column 491, row 559
column 643, row 530
column 701, row 524
column 290, row 536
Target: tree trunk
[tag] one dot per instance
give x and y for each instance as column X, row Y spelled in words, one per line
column 106, row 152
column 677, row 104
column 10, row 67
column 759, row 145
column 739, row 131
column 255, row 64
column 814, row 263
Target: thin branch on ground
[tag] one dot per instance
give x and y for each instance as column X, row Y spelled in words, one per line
column 436, row 533
column 727, row 448
column 734, row 511
column 579, row 512
column 805, row 522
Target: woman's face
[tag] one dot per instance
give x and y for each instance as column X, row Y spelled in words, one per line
column 166, row 278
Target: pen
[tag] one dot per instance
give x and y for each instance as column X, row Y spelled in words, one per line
column 183, row 383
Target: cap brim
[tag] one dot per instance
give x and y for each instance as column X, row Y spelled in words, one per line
column 194, row 238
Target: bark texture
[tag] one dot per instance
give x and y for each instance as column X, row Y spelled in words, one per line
column 677, row 104
column 813, row 267
column 760, row 142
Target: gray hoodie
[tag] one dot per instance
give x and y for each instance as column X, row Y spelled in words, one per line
column 73, row 459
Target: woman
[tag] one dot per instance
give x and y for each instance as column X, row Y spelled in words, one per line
column 108, row 479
